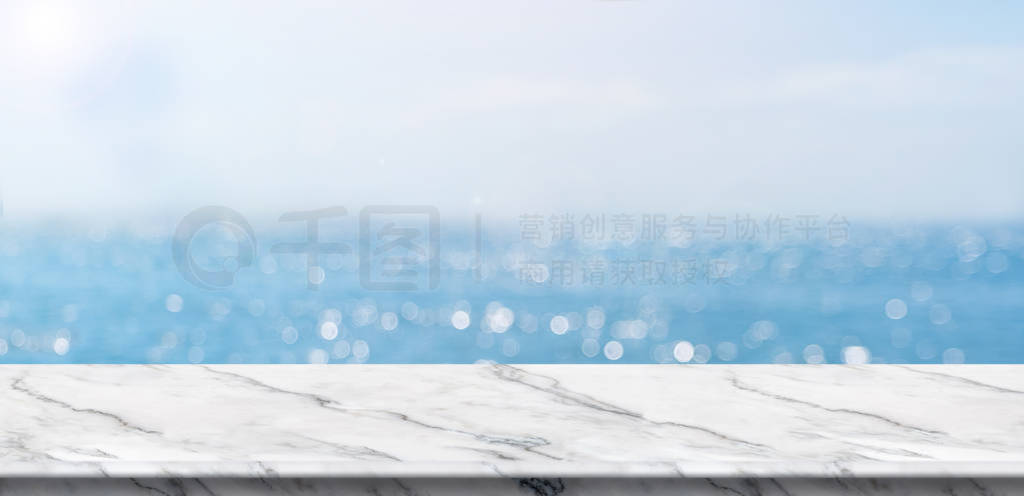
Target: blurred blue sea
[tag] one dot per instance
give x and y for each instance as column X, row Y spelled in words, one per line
column 75, row 293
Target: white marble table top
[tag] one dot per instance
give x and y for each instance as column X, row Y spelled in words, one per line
column 511, row 421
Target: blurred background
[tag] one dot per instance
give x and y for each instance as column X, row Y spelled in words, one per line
column 609, row 181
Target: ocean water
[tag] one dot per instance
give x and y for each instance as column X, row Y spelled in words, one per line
column 121, row 293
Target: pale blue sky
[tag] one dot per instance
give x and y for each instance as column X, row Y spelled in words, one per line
column 874, row 109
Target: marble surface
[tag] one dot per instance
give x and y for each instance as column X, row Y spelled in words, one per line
column 515, row 422
column 513, row 487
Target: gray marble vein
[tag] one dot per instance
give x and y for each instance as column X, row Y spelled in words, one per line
column 714, row 423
